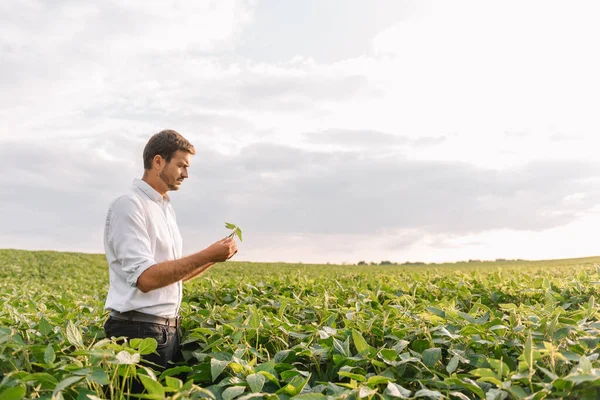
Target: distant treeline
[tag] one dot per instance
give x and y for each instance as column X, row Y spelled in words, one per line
column 386, row 262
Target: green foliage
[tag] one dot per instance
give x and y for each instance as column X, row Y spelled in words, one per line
column 506, row 330
column 236, row 230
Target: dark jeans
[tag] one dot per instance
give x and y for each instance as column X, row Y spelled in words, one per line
column 166, row 337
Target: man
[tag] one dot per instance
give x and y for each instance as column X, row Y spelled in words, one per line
column 144, row 251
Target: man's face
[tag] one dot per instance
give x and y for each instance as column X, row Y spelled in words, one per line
column 176, row 170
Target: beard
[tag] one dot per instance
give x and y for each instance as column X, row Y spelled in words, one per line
column 170, row 182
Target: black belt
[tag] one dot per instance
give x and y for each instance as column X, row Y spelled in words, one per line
column 136, row 316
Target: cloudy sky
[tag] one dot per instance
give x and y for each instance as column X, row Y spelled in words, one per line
column 330, row 131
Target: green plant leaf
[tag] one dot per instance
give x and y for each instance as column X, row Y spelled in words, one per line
column 395, row 390
column 388, row 354
column 309, row 396
column 49, row 355
column 74, row 335
column 144, row 346
column 432, row 356
column 359, row 342
column 467, row 384
column 356, row 377
column 48, row 381
column 99, row 376
column 378, row 380
column 65, row 383
column 232, row 392
column 217, row 367
column 528, row 352
column 256, row 382
column 153, row 387
column 173, row 383
column 175, row 371
column 432, row 394
column 44, row 327
column 452, row 365
column 13, row 393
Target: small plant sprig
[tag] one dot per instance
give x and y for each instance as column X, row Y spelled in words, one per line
column 236, row 230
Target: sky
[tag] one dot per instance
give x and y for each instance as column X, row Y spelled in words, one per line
column 328, row 131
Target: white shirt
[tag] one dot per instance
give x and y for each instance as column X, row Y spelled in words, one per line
column 141, row 231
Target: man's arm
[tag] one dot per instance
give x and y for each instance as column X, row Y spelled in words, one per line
column 168, row 272
column 199, row 271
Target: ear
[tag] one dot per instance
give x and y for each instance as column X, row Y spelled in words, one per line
column 158, row 161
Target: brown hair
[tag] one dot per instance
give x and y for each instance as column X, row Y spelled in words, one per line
column 165, row 144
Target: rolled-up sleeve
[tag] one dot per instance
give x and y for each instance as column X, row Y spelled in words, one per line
column 129, row 239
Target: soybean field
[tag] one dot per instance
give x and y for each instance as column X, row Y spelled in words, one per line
column 489, row 330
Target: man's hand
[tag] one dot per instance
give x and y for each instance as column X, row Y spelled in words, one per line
column 222, row 250
column 168, row 272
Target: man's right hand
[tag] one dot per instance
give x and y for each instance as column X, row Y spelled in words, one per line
column 222, row 250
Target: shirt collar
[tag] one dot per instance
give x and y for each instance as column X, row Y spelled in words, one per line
column 150, row 191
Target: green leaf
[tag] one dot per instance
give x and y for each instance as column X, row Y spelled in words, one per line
column 282, row 356
column 483, row 372
column 99, row 376
column 270, row 377
column 359, row 342
column 500, row 367
column 256, row 382
column 420, row 345
column 561, row 333
column 144, row 346
column 582, row 378
column 585, row 364
column 238, row 232
column 153, row 387
column 395, row 390
column 49, row 355
column 467, row 384
column 65, row 383
column 528, row 352
column 44, row 327
column 562, row 384
column 289, row 374
column 461, row 396
column 436, row 311
column 432, row 356
column 175, row 371
column 74, row 335
column 217, row 367
column 13, row 393
column 298, row 383
column 229, row 225
column 432, row 394
column 388, row 354
column 518, row 392
column 341, row 348
column 378, row 380
column 452, row 365
column 5, row 334
column 310, row 396
column 232, row 392
column 173, row 383
column 356, row 377
column 256, row 396
column 48, row 381
column 483, row 319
